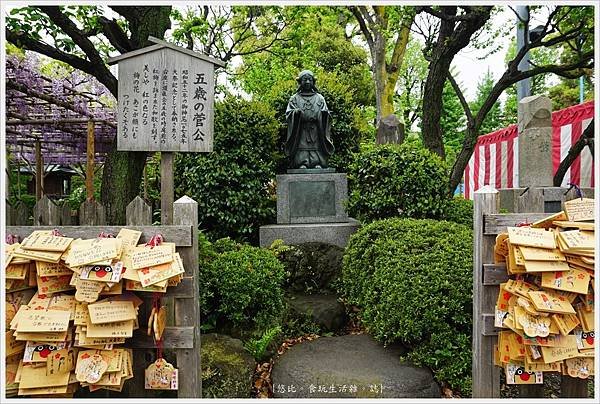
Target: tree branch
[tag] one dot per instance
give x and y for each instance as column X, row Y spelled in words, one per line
column 367, row 16
column 586, row 139
column 69, row 28
column 400, row 45
column 380, row 16
column 585, row 62
column 115, row 35
column 230, row 54
column 462, row 99
column 96, row 66
column 23, row 40
column 447, row 17
column 508, row 78
column 127, row 12
column 363, row 27
column 513, row 65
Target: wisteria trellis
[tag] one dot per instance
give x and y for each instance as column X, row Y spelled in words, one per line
column 58, row 110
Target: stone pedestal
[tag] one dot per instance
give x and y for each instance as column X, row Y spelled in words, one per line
column 330, row 233
column 311, row 208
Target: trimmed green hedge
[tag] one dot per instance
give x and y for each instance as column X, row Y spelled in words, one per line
column 240, row 287
column 460, row 210
column 412, row 280
column 397, row 181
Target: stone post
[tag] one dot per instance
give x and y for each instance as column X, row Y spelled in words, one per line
column 535, row 142
column 390, row 130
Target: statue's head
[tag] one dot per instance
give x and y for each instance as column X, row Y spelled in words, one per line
column 306, row 81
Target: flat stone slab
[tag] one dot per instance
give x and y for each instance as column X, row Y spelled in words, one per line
column 349, row 366
column 291, row 234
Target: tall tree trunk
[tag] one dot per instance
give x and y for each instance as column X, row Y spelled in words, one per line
column 123, row 171
column 433, row 138
column 374, row 26
column 455, row 34
column 380, row 76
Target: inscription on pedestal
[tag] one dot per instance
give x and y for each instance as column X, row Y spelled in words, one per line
column 312, row 198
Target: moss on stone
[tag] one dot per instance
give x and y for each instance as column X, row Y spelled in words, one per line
column 227, row 368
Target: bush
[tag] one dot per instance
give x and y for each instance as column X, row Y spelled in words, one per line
column 397, row 181
column 460, row 210
column 412, row 279
column 232, row 184
column 258, row 347
column 241, row 287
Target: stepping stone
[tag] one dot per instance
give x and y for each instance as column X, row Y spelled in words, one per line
column 349, row 366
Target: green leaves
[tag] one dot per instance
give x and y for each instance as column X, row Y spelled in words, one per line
column 413, row 279
column 397, row 181
column 257, row 347
column 460, row 210
column 245, row 285
column 231, row 184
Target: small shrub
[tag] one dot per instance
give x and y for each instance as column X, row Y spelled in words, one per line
column 460, row 210
column 449, row 353
column 397, row 181
column 412, row 280
column 257, row 347
column 241, row 286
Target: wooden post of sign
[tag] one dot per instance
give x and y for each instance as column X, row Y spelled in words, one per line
column 89, row 170
column 486, row 376
column 167, row 191
column 39, row 171
column 146, row 181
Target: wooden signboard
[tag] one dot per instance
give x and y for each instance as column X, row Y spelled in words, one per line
column 166, row 99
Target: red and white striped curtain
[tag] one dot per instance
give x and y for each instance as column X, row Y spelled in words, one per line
column 495, row 158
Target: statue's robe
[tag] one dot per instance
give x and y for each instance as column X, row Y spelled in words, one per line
column 308, row 142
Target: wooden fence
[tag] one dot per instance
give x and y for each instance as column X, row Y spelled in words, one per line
column 487, row 276
column 182, row 334
column 52, row 213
